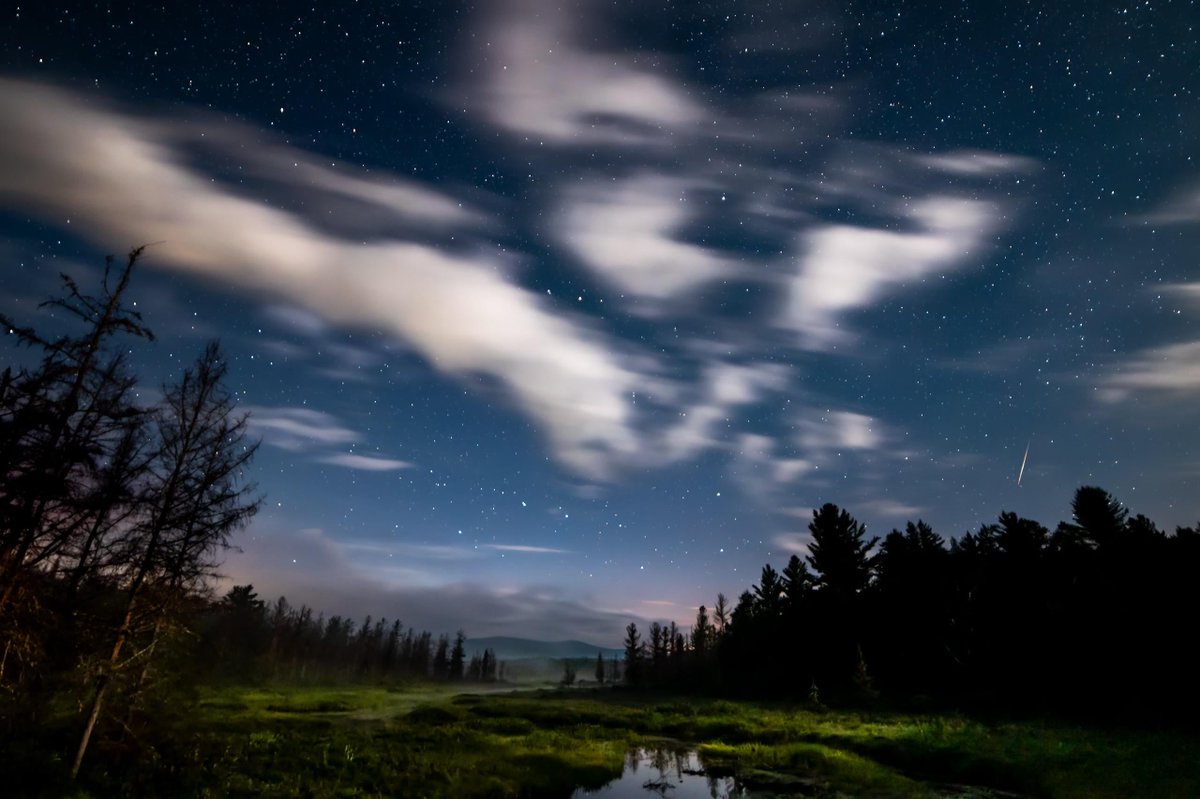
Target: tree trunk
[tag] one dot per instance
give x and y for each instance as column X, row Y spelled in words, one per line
column 105, row 678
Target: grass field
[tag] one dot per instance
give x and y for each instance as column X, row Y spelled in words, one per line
column 422, row 741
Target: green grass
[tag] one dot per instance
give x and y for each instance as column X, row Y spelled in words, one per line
column 426, row 741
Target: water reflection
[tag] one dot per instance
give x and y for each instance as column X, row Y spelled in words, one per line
column 678, row 774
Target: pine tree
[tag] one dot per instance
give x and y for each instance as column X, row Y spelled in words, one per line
column 633, row 655
column 458, row 656
column 839, row 553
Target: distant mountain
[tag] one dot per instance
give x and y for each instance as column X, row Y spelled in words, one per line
column 507, row 648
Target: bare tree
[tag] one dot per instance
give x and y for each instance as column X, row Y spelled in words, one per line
column 193, row 498
column 60, row 427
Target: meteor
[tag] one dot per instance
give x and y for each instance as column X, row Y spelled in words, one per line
column 1024, row 460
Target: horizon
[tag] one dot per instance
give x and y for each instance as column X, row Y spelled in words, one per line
column 555, row 321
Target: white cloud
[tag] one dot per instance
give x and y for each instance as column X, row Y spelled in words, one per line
column 834, row 430
column 532, row 550
column 726, row 387
column 1189, row 291
column 856, row 431
column 900, row 511
column 1180, row 208
column 297, row 320
column 458, row 311
column 369, row 463
column 310, row 567
column 542, row 83
column 846, row 267
column 1171, row 369
column 978, row 163
column 297, row 428
column 793, row 543
column 624, row 231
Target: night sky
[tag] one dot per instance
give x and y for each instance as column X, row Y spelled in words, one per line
column 555, row 315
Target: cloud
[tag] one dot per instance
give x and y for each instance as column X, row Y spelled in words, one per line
column 726, row 386
column 793, row 543
column 408, row 551
column 978, row 163
column 541, row 82
column 834, row 430
column 900, row 511
column 457, row 310
column 1173, row 369
column 297, row 429
column 1181, row 208
column 625, row 231
column 847, row 267
column 311, row 568
column 296, row 320
column 1189, row 291
column 369, row 463
column 532, row 550
column 311, row 431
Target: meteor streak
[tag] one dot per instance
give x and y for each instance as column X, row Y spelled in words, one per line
column 1024, row 460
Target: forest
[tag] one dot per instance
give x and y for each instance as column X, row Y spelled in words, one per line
column 1093, row 619
column 114, row 515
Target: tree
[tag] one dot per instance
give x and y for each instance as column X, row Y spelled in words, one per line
column 721, row 615
column 69, row 452
column 658, row 651
column 796, row 582
column 768, row 594
column 842, row 556
column 568, row 676
column 633, row 655
column 600, row 667
column 839, row 553
column 701, row 632
column 193, row 498
column 441, row 658
column 913, row 592
column 458, row 656
column 1099, row 519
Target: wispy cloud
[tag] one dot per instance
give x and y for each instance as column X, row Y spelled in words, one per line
column 457, row 309
column 542, row 82
column 847, row 267
column 311, row 567
column 793, row 543
column 369, row 463
column 627, row 232
column 313, row 432
column 726, row 387
column 531, row 550
column 1181, row 208
column 1172, row 370
column 978, row 163
column 297, row 429
column 838, row 430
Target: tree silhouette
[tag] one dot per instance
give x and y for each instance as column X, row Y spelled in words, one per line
column 458, row 656
column 634, row 655
column 1098, row 519
column 193, row 498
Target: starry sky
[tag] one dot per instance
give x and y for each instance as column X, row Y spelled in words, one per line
column 554, row 315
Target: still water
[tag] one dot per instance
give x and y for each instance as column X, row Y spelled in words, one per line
column 680, row 774
column 666, row 772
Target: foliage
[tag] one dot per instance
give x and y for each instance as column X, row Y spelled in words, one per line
column 1085, row 621
column 423, row 741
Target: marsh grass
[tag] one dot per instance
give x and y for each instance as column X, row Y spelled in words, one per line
column 426, row 741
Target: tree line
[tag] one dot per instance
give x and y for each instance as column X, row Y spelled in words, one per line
column 113, row 515
column 1095, row 617
column 248, row 638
